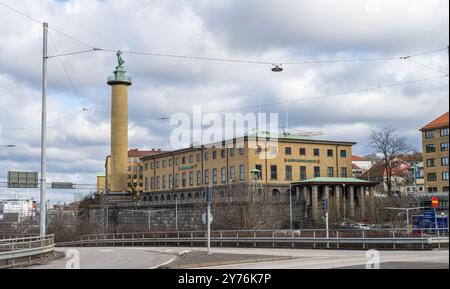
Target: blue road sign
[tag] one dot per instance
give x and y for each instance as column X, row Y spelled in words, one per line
column 429, row 214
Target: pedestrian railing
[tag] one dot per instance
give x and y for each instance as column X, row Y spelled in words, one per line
column 312, row 238
column 25, row 250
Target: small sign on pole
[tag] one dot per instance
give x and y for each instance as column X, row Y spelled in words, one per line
column 435, row 202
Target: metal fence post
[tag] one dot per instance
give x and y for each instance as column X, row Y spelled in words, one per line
column 364, row 241
column 314, row 237
column 337, row 237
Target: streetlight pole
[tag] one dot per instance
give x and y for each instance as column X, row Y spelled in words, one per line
column 43, row 201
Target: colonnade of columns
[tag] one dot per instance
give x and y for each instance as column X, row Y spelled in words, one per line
column 341, row 197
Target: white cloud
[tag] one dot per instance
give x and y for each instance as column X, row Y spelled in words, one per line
column 257, row 30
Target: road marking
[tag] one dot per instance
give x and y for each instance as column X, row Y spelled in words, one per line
column 163, row 264
column 106, row 251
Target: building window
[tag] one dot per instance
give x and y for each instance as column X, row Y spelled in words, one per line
column 214, row 176
column 170, row 163
column 222, row 154
column 431, row 177
column 206, row 156
column 242, row 172
column 241, row 151
column 146, row 184
column 273, row 172
column 330, row 172
column 445, row 176
column 444, row 146
column 317, row 172
column 303, row 151
column 146, row 166
column 343, row 172
column 431, row 148
column 232, row 173
column 430, row 163
column 177, row 161
column 429, row 134
column 288, row 151
column 444, row 131
column 198, row 157
column 199, row 177
column 191, row 159
column 343, row 153
column 129, row 168
column 151, row 166
column 316, row 152
column 157, row 182
column 232, row 152
column 330, row 153
column 164, row 182
column 302, row 173
column 177, row 180
column 214, row 155
column 223, row 175
column 171, row 181
column 288, row 173
column 183, row 160
column 183, row 179
column 152, row 183
column 191, row 178
column 206, row 177
column 259, row 168
column 157, row 164
column 444, row 161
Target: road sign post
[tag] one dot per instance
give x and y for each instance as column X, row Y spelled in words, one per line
column 435, row 203
column 325, row 209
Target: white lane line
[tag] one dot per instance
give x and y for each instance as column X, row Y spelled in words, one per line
column 165, row 263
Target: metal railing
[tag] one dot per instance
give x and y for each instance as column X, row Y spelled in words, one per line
column 25, row 250
column 310, row 238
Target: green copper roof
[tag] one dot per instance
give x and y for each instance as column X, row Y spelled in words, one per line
column 335, row 180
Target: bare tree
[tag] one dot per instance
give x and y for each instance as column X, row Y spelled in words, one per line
column 386, row 142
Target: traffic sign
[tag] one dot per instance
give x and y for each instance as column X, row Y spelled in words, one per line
column 204, row 218
column 435, row 202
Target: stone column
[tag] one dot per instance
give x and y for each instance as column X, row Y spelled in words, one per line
column 307, row 199
column 352, row 200
column 337, row 200
column 326, row 194
column 372, row 201
column 315, row 202
column 362, row 201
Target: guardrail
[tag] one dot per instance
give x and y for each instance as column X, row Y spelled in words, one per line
column 25, row 250
column 339, row 239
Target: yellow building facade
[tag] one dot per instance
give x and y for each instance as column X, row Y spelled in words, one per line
column 290, row 160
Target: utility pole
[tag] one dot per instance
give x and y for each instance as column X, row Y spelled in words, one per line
column 208, row 215
column 43, row 197
column 290, row 205
column 176, row 214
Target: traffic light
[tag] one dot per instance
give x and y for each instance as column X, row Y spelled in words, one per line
column 325, row 204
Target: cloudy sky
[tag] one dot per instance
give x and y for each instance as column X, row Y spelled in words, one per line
column 260, row 30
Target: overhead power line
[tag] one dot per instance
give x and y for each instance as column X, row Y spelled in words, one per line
column 69, row 79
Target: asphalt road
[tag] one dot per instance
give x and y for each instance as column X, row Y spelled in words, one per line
column 108, row 258
column 152, row 257
column 329, row 259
